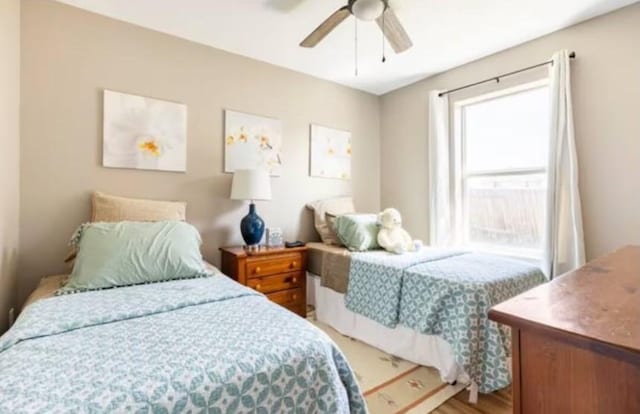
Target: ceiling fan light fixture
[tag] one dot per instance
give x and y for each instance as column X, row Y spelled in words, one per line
column 367, row 9
column 378, row 10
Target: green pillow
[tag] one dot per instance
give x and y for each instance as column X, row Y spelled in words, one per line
column 129, row 253
column 358, row 232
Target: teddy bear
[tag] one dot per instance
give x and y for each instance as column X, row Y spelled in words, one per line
column 392, row 237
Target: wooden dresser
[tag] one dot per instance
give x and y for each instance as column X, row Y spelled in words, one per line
column 576, row 340
column 279, row 273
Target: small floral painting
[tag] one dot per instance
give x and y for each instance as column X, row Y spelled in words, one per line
column 330, row 153
column 252, row 142
column 144, row 133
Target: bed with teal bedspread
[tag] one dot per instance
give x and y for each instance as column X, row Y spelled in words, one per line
column 375, row 281
column 199, row 345
column 446, row 293
column 452, row 298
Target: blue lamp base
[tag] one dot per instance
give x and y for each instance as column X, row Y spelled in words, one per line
column 252, row 227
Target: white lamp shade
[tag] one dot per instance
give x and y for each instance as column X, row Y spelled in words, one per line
column 251, row 185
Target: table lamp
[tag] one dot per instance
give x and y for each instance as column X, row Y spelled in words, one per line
column 251, row 185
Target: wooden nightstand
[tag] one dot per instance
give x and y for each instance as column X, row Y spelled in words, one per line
column 279, row 273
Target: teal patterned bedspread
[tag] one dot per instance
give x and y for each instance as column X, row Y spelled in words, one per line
column 446, row 293
column 452, row 298
column 375, row 281
column 189, row 346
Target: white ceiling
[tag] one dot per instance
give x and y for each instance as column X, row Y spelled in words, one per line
column 446, row 33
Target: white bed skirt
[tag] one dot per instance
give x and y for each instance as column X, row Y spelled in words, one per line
column 428, row 350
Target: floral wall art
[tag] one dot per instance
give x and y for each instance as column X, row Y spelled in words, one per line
column 252, row 142
column 330, row 153
column 144, row 133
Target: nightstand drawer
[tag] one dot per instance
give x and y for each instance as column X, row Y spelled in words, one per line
column 268, row 284
column 274, row 265
column 288, row 298
column 277, row 272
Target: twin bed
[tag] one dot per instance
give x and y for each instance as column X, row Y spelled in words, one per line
column 429, row 307
column 197, row 345
column 130, row 331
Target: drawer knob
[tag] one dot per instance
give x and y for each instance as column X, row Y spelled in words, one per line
column 294, row 280
column 293, row 264
column 258, row 287
column 257, row 270
column 295, row 296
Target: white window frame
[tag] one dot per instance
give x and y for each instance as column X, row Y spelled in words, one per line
column 460, row 175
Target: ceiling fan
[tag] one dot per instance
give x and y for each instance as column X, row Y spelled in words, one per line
column 367, row 10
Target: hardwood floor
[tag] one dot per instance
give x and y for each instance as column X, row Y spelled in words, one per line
column 498, row 402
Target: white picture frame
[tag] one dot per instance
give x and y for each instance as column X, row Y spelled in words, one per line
column 143, row 133
column 330, row 153
column 252, row 142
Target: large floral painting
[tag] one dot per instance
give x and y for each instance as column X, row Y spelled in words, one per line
column 330, row 153
column 144, row 133
column 252, row 142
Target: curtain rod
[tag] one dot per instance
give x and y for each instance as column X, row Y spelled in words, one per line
column 572, row 55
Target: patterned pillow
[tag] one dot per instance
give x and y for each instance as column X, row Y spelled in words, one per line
column 330, row 219
column 334, row 206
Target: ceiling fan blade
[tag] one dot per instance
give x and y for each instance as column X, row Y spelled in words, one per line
column 326, row 27
column 393, row 31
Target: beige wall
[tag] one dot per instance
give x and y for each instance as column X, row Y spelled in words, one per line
column 606, row 96
column 10, row 152
column 70, row 56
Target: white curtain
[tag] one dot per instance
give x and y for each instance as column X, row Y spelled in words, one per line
column 564, row 240
column 439, row 172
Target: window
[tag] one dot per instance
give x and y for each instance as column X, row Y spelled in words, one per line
column 502, row 149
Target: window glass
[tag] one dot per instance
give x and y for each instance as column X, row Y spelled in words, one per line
column 506, row 210
column 510, row 132
column 504, row 175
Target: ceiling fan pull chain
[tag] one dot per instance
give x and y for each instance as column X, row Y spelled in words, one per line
column 356, row 46
column 384, row 57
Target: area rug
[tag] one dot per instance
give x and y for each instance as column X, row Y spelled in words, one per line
column 392, row 385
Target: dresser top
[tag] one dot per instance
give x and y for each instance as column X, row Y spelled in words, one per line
column 599, row 301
